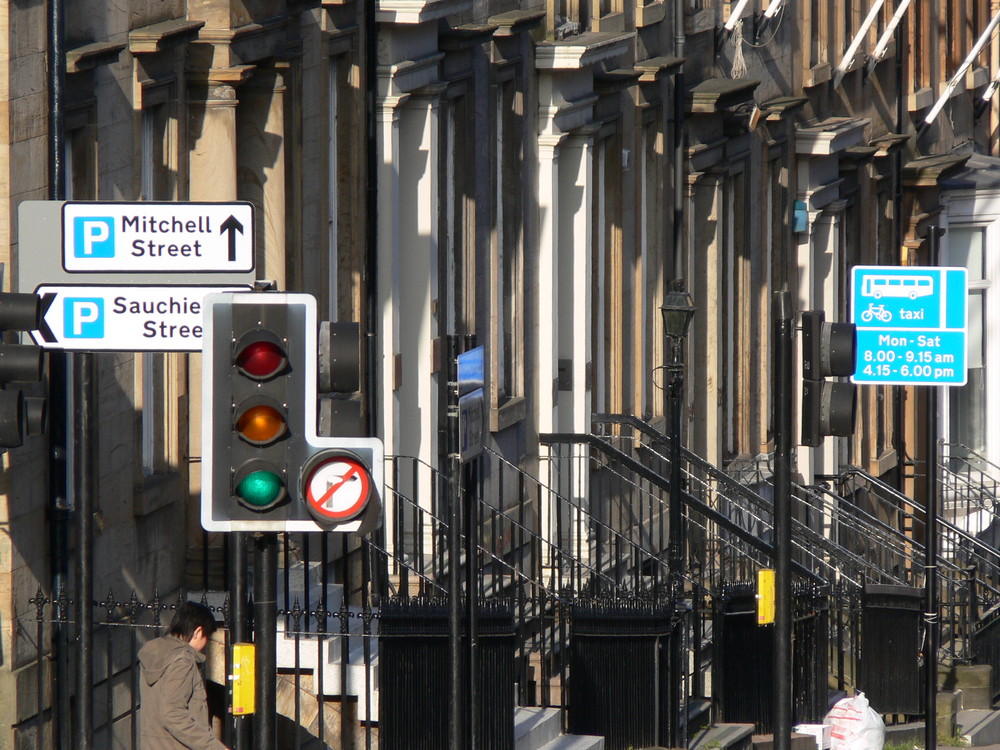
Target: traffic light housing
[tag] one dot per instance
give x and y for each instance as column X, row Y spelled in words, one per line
column 20, row 415
column 264, row 465
column 340, row 379
column 828, row 350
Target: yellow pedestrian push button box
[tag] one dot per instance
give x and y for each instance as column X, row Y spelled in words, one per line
column 765, row 597
column 243, row 679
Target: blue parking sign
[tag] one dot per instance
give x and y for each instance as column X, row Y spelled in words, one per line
column 83, row 317
column 912, row 324
column 93, row 237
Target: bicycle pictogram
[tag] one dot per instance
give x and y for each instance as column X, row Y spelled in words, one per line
column 876, row 312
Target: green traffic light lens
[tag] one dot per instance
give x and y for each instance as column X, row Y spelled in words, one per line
column 260, row 489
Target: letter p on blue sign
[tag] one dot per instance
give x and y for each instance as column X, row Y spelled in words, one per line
column 83, row 317
column 93, row 237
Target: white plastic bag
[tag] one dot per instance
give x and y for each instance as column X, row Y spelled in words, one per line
column 854, row 725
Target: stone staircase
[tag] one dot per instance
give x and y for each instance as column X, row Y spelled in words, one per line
column 541, row 729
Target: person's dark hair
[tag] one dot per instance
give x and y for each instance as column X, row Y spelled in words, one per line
column 189, row 617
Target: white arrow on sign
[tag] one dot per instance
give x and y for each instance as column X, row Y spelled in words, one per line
column 123, row 318
column 157, row 237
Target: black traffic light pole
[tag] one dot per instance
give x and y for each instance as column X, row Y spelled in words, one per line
column 455, row 723
column 782, row 418
column 83, row 482
column 265, row 628
column 239, row 619
column 469, row 476
column 60, row 513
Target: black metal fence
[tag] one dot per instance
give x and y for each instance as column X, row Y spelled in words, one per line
column 559, row 550
column 743, row 678
column 619, row 672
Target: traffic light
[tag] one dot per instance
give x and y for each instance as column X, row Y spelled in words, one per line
column 20, row 415
column 264, row 466
column 340, row 379
column 828, row 350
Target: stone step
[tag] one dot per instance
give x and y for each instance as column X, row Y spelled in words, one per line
column 799, row 742
column 535, row 727
column 979, row 727
column 575, row 742
column 733, row 736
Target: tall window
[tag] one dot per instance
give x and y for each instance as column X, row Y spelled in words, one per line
column 736, row 299
column 507, row 300
column 157, row 183
column 968, row 404
column 652, row 244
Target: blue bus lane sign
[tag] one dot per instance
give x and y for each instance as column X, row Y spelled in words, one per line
column 912, row 324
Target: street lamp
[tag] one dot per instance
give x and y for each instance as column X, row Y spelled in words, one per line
column 678, row 311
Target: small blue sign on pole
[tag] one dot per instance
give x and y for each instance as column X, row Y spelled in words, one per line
column 912, row 324
column 471, row 403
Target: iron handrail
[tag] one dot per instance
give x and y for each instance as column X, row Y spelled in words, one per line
column 689, row 500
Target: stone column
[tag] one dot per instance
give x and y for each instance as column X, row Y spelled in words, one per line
column 704, row 274
column 213, row 144
column 212, row 130
column 548, row 279
column 261, row 176
column 388, row 267
column 418, row 209
column 576, row 263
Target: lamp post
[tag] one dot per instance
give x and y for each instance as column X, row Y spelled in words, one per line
column 678, row 310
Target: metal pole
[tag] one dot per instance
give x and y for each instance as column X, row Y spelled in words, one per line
column 455, row 737
column 680, row 38
column 930, row 578
column 782, row 418
column 239, row 613
column 60, row 512
column 84, row 484
column 472, row 532
column 265, row 627
column 471, row 600
column 930, row 546
column 675, row 545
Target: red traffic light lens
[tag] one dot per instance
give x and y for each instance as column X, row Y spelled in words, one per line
column 261, row 359
column 261, row 424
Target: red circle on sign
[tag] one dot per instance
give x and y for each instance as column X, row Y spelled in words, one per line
column 337, row 488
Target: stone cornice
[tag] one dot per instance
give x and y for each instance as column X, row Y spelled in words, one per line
column 928, row 171
column 830, row 136
column 516, row 22
column 580, row 51
column 889, row 144
column 160, row 37
column 93, row 55
column 777, row 109
column 716, row 95
column 465, row 36
column 654, row 68
column 417, row 11
column 232, row 76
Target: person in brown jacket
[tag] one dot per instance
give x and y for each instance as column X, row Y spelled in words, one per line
column 174, row 709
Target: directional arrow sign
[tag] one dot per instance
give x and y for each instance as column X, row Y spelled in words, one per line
column 103, row 237
column 123, row 318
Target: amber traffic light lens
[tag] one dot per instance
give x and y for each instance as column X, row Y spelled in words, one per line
column 261, row 424
column 261, row 359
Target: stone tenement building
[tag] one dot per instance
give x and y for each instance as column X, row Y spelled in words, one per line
column 535, row 174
